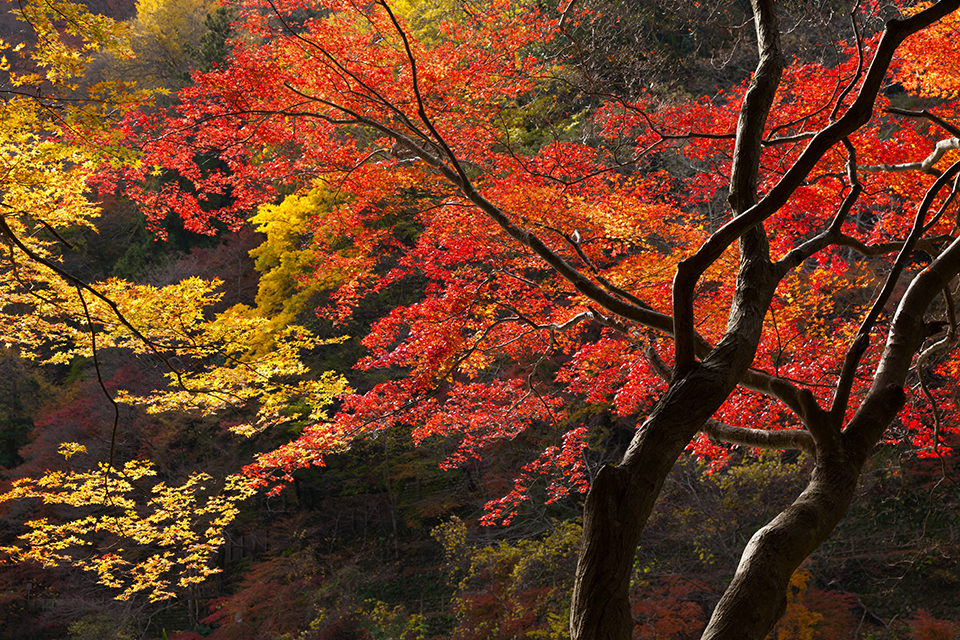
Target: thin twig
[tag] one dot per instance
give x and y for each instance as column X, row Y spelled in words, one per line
column 103, row 387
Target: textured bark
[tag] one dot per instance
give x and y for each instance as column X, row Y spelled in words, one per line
column 905, row 337
column 620, row 501
column 748, row 609
column 855, row 116
column 622, row 497
column 756, row 597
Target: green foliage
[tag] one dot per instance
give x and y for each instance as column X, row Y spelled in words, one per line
column 706, row 518
column 757, row 485
column 101, row 627
column 373, row 620
column 213, row 43
column 511, row 589
column 426, row 17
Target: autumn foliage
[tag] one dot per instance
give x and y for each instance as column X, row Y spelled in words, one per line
column 337, row 110
column 561, row 251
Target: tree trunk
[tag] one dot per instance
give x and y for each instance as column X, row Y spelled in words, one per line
column 756, row 598
column 622, row 496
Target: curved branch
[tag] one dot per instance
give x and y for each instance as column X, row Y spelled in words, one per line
column 831, row 235
column 755, row 109
column 624, row 308
column 7, row 232
column 745, row 170
column 376, row 96
column 799, row 400
column 103, row 388
column 859, row 71
column 760, row 438
column 926, row 165
column 859, row 345
column 905, row 337
column 574, row 242
column 421, row 107
column 949, row 127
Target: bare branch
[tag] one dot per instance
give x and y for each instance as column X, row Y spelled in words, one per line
column 949, row 127
column 760, row 438
column 756, row 108
column 754, row 112
column 772, row 141
column 905, row 337
column 565, row 14
column 798, row 400
column 6, row 231
column 859, row 71
column 859, row 345
column 103, row 387
column 925, row 165
column 831, row 235
column 943, row 345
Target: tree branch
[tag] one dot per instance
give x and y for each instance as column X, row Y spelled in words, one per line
column 949, row 127
column 760, row 438
column 103, row 388
column 831, row 235
column 754, row 112
column 798, row 400
column 904, row 339
column 861, row 109
column 861, row 341
column 7, row 232
column 925, row 165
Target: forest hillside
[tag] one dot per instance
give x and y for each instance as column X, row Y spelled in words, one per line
column 422, row 319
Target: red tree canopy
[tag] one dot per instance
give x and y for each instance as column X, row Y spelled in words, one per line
column 544, row 219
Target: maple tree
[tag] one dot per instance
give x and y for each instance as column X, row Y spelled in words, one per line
column 570, row 253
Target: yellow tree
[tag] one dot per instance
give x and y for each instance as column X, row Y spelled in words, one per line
column 165, row 37
column 132, row 528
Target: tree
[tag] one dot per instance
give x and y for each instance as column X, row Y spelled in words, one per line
column 54, row 142
column 167, row 40
column 573, row 254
